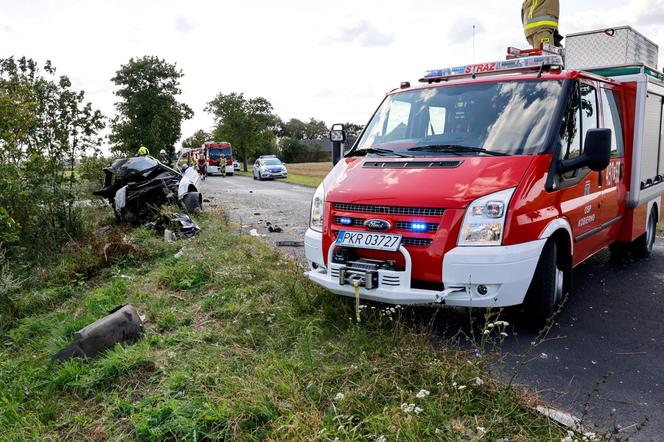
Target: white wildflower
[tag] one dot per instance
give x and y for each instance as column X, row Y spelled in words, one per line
column 479, row 382
column 481, row 430
column 417, row 410
column 381, row 439
column 461, row 387
column 486, row 332
column 353, row 367
column 490, row 325
column 339, row 397
column 503, row 334
column 422, row 394
column 503, row 323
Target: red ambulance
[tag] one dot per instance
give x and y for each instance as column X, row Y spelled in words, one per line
column 486, row 185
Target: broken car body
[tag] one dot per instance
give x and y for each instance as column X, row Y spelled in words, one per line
column 135, row 187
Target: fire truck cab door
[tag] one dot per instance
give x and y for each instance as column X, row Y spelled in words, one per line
column 614, row 189
column 581, row 190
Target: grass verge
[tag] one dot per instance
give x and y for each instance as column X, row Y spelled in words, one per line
column 301, row 180
column 240, row 346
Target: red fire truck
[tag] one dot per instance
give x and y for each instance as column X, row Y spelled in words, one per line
column 214, row 152
column 486, row 185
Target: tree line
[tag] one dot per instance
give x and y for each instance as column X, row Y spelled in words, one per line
column 149, row 114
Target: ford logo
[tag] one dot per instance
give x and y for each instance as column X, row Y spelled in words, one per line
column 377, row 224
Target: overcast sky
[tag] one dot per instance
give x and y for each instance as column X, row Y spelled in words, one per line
column 331, row 60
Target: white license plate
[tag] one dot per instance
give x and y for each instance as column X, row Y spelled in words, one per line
column 368, row 240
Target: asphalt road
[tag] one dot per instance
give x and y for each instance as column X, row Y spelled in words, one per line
column 603, row 360
column 252, row 204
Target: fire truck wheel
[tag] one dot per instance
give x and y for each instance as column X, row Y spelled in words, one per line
column 642, row 246
column 192, row 202
column 547, row 287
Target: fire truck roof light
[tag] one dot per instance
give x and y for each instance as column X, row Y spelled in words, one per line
column 517, row 64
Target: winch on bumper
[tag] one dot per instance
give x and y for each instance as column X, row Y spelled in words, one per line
column 472, row 276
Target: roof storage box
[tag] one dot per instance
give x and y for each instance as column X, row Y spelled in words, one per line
column 609, row 47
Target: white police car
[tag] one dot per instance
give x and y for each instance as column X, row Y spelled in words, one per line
column 269, row 166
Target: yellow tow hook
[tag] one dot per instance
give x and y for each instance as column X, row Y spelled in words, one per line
column 356, row 285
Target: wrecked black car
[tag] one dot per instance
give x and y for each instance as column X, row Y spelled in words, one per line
column 137, row 187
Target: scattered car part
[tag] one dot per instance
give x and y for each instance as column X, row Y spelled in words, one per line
column 122, row 326
column 290, row 243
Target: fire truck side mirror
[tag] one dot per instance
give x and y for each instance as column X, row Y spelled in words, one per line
column 337, row 136
column 596, row 152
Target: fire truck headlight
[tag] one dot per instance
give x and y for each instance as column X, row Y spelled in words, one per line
column 317, row 206
column 484, row 221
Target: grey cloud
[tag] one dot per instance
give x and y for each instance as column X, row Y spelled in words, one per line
column 183, row 25
column 365, row 35
column 462, row 30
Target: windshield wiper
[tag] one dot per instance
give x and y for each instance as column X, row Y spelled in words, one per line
column 455, row 148
column 377, row 151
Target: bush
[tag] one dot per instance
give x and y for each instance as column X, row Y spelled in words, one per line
column 46, row 127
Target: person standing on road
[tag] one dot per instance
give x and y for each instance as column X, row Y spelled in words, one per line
column 540, row 22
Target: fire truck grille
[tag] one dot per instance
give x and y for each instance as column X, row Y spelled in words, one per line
column 416, row 242
column 400, row 225
column 389, row 210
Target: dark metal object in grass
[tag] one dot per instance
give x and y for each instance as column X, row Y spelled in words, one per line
column 122, row 326
column 180, row 224
column 290, row 243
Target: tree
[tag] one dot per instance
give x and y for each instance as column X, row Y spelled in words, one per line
column 246, row 123
column 353, row 130
column 292, row 150
column 45, row 128
column 148, row 111
column 299, row 130
column 316, row 130
column 197, row 139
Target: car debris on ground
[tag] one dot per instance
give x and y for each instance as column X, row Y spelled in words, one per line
column 175, row 226
column 122, row 326
column 137, row 187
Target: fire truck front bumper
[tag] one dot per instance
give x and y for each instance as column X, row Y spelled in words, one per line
column 483, row 277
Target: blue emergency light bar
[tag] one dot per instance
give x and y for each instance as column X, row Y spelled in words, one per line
column 502, row 66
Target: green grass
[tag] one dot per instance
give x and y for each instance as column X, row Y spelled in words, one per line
column 300, row 180
column 240, row 346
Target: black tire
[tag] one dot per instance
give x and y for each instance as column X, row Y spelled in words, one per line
column 260, row 176
column 253, row 175
column 642, row 246
column 193, row 202
column 547, row 287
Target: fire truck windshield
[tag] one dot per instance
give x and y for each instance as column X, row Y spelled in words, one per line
column 509, row 118
column 216, row 152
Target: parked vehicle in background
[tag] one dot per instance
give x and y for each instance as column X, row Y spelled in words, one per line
column 269, row 166
column 216, row 151
column 236, row 166
column 485, row 185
